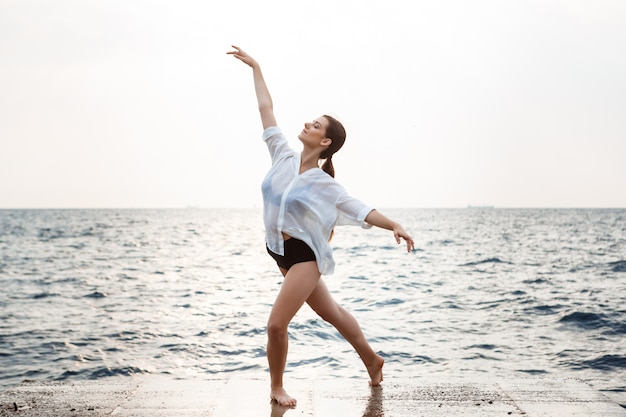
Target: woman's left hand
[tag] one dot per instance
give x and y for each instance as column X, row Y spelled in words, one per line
column 375, row 218
column 400, row 233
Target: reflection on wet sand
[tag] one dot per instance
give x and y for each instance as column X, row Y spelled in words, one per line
column 374, row 406
column 278, row 410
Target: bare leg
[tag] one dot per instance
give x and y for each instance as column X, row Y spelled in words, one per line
column 299, row 282
column 323, row 303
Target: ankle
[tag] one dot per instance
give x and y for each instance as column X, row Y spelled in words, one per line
column 276, row 384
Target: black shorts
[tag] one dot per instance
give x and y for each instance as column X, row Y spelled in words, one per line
column 296, row 251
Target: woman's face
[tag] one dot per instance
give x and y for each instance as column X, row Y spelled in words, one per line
column 314, row 132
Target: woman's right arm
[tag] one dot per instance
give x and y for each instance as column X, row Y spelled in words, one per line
column 264, row 99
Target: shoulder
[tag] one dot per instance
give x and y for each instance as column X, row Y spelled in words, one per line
column 329, row 185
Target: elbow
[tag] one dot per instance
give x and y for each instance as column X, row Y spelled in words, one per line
column 373, row 218
column 266, row 106
column 266, row 109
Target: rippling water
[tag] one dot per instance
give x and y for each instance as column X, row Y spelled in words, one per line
column 89, row 294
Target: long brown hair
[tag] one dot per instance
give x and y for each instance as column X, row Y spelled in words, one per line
column 335, row 132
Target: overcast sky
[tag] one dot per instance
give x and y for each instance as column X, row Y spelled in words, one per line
column 134, row 103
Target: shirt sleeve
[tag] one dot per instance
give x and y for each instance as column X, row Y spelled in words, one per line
column 352, row 211
column 276, row 142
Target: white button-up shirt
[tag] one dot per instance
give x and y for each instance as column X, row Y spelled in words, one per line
column 305, row 206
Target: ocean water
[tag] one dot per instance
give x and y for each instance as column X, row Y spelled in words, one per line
column 91, row 294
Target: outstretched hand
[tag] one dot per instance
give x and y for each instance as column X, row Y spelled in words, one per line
column 375, row 218
column 241, row 55
column 400, row 233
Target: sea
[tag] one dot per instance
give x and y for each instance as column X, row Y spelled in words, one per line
column 185, row 293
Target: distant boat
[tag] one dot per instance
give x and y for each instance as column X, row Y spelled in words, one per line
column 472, row 206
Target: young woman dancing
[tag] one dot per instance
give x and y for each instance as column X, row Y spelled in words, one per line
column 302, row 205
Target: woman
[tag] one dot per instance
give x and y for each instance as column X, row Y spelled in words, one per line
column 302, row 204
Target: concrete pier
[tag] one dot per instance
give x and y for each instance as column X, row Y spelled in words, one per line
column 158, row 397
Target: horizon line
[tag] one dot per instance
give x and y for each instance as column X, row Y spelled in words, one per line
column 466, row 207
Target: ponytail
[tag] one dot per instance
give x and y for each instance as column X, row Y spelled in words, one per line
column 337, row 134
column 328, row 167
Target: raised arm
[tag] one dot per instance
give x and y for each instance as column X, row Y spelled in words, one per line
column 377, row 219
column 264, row 99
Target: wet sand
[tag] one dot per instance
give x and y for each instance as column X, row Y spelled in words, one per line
column 145, row 396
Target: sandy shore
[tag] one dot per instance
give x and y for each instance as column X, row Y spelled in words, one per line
column 156, row 396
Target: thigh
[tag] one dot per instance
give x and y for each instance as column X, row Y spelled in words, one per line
column 322, row 302
column 298, row 284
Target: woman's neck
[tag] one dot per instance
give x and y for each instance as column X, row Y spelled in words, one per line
column 308, row 160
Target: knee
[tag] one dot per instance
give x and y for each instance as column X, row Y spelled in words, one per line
column 276, row 330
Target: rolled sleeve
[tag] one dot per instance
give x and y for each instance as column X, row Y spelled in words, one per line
column 271, row 131
column 276, row 143
column 352, row 211
column 362, row 215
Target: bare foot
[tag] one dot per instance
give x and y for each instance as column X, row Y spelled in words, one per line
column 375, row 370
column 282, row 398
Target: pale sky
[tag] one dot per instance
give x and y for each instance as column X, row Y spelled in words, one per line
column 134, row 103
